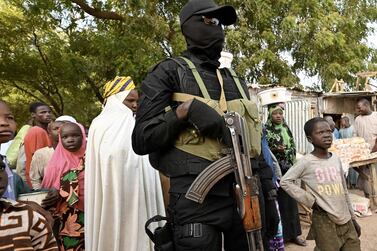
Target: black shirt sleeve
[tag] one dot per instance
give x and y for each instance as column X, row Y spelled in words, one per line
column 265, row 175
column 157, row 125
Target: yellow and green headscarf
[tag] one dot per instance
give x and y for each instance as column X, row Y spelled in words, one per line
column 118, row 84
column 280, row 135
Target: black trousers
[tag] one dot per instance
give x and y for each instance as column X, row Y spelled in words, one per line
column 289, row 216
column 217, row 218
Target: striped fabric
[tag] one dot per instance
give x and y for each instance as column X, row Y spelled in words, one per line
column 117, row 85
column 22, row 228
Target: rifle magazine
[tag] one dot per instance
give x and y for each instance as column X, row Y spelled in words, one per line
column 208, row 178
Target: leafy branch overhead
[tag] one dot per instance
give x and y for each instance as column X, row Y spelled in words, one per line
column 63, row 51
column 97, row 12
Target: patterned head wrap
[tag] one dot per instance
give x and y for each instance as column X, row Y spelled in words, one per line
column 119, row 84
column 271, row 109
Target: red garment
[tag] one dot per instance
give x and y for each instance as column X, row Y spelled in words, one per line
column 36, row 138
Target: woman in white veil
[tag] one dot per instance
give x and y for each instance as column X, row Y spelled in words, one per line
column 122, row 190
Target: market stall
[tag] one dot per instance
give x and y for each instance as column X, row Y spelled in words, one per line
column 355, row 153
column 371, row 175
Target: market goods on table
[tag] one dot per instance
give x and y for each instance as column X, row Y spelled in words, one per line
column 351, row 150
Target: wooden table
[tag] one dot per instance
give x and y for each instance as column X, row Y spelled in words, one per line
column 371, row 177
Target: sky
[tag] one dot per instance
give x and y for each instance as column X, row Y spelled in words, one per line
column 371, row 41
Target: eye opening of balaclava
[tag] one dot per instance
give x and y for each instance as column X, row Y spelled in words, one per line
column 205, row 38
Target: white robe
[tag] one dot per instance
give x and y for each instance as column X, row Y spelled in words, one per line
column 122, row 190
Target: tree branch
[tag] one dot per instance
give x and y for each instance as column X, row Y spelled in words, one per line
column 45, row 90
column 98, row 13
column 31, row 94
column 95, row 89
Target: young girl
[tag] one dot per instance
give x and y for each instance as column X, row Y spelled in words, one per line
column 65, row 172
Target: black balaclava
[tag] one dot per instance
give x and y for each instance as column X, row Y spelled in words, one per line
column 204, row 39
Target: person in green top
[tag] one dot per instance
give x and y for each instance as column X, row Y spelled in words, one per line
column 14, row 148
column 282, row 145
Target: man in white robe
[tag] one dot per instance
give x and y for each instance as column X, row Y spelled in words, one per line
column 122, row 190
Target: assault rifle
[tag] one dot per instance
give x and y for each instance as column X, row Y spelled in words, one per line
column 246, row 188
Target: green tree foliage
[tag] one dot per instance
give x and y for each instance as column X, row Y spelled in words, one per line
column 324, row 38
column 62, row 52
column 53, row 51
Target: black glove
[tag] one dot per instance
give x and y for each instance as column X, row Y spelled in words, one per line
column 272, row 218
column 209, row 122
column 357, row 227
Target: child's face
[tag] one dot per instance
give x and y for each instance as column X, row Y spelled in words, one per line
column 321, row 135
column 7, row 123
column 53, row 130
column 344, row 123
column 71, row 136
column 277, row 117
column 3, row 179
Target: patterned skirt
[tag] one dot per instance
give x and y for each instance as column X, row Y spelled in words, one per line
column 277, row 243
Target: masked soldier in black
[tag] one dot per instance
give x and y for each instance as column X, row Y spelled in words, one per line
column 183, row 134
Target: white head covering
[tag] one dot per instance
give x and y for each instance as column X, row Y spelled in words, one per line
column 124, row 188
column 66, row 118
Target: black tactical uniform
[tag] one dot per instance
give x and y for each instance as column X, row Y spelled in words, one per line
column 196, row 226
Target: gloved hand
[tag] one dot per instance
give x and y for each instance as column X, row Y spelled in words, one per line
column 272, row 218
column 207, row 120
column 357, row 227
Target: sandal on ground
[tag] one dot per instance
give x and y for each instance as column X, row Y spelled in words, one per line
column 299, row 241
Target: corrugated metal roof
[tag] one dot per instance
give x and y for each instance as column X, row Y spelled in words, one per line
column 349, row 94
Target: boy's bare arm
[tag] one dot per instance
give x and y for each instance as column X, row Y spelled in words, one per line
column 288, row 184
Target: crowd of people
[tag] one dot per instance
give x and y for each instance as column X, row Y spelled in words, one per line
column 101, row 187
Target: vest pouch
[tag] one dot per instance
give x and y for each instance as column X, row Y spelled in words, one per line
column 249, row 111
column 191, row 141
column 190, row 136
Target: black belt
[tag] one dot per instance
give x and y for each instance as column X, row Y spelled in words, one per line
column 195, row 230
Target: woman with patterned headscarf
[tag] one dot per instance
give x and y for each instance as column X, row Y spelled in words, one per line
column 122, row 190
column 282, row 145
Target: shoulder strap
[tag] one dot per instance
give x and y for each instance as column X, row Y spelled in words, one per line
column 183, row 97
column 197, row 77
column 178, row 62
column 238, row 84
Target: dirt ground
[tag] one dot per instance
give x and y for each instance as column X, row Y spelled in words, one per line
column 368, row 235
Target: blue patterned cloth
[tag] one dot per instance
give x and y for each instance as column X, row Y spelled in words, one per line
column 277, row 243
column 10, row 193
